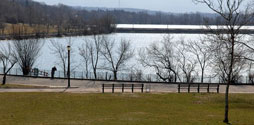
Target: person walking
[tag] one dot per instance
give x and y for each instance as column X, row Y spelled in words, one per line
column 53, row 72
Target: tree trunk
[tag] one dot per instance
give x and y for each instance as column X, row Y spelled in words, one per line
column 26, row 71
column 115, row 75
column 188, row 78
column 175, row 77
column 202, row 76
column 95, row 73
column 4, row 79
column 229, row 78
column 86, row 71
column 226, row 104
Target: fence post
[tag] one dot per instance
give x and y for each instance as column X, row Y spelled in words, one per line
column 179, row 88
column 102, row 88
column 208, row 88
column 218, row 88
column 132, row 88
column 189, row 88
column 142, row 89
column 122, row 88
column 113, row 85
column 198, row 87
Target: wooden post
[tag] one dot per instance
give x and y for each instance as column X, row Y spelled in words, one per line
column 132, row 88
column 198, row 87
column 142, row 89
column 218, row 88
column 179, row 88
column 122, row 88
column 113, row 85
column 189, row 88
column 102, row 88
column 208, row 88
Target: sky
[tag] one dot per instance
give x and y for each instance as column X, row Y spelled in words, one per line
column 177, row 6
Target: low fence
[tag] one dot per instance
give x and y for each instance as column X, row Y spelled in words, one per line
column 121, row 76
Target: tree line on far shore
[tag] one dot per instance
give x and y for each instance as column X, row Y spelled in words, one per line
column 30, row 17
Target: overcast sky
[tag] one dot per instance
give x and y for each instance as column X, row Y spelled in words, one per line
column 178, row 6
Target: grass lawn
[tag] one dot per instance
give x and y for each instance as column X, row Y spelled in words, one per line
column 15, row 86
column 117, row 109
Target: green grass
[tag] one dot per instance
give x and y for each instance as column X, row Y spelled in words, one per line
column 15, row 86
column 117, row 109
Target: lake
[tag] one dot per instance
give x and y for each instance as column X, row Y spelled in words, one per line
column 47, row 59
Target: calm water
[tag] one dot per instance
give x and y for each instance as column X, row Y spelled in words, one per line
column 47, row 59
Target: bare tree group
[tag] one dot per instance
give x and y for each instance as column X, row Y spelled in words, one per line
column 26, row 52
column 90, row 51
column 21, row 52
column 59, row 50
column 104, row 53
column 161, row 58
column 173, row 59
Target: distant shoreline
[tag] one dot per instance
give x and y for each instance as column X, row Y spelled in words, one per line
column 188, row 29
column 40, row 35
column 134, row 28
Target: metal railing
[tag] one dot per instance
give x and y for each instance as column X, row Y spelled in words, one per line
column 121, row 76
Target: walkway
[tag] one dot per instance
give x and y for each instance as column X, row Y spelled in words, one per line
column 86, row 86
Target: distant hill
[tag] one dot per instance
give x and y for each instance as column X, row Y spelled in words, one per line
column 123, row 9
column 151, row 12
column 31, row 12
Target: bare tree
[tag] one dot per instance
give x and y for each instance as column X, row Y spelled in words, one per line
column 202, row 53
column 8, row 60
column 59, row 49
column 84, row 52
column 186, row 63
column 234, row 18
column 26, row 53
column 161, row 57
column 90, row 51
column 222, row 61
column 116, row 56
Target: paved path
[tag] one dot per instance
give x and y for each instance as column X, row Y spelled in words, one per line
column 86, row 86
